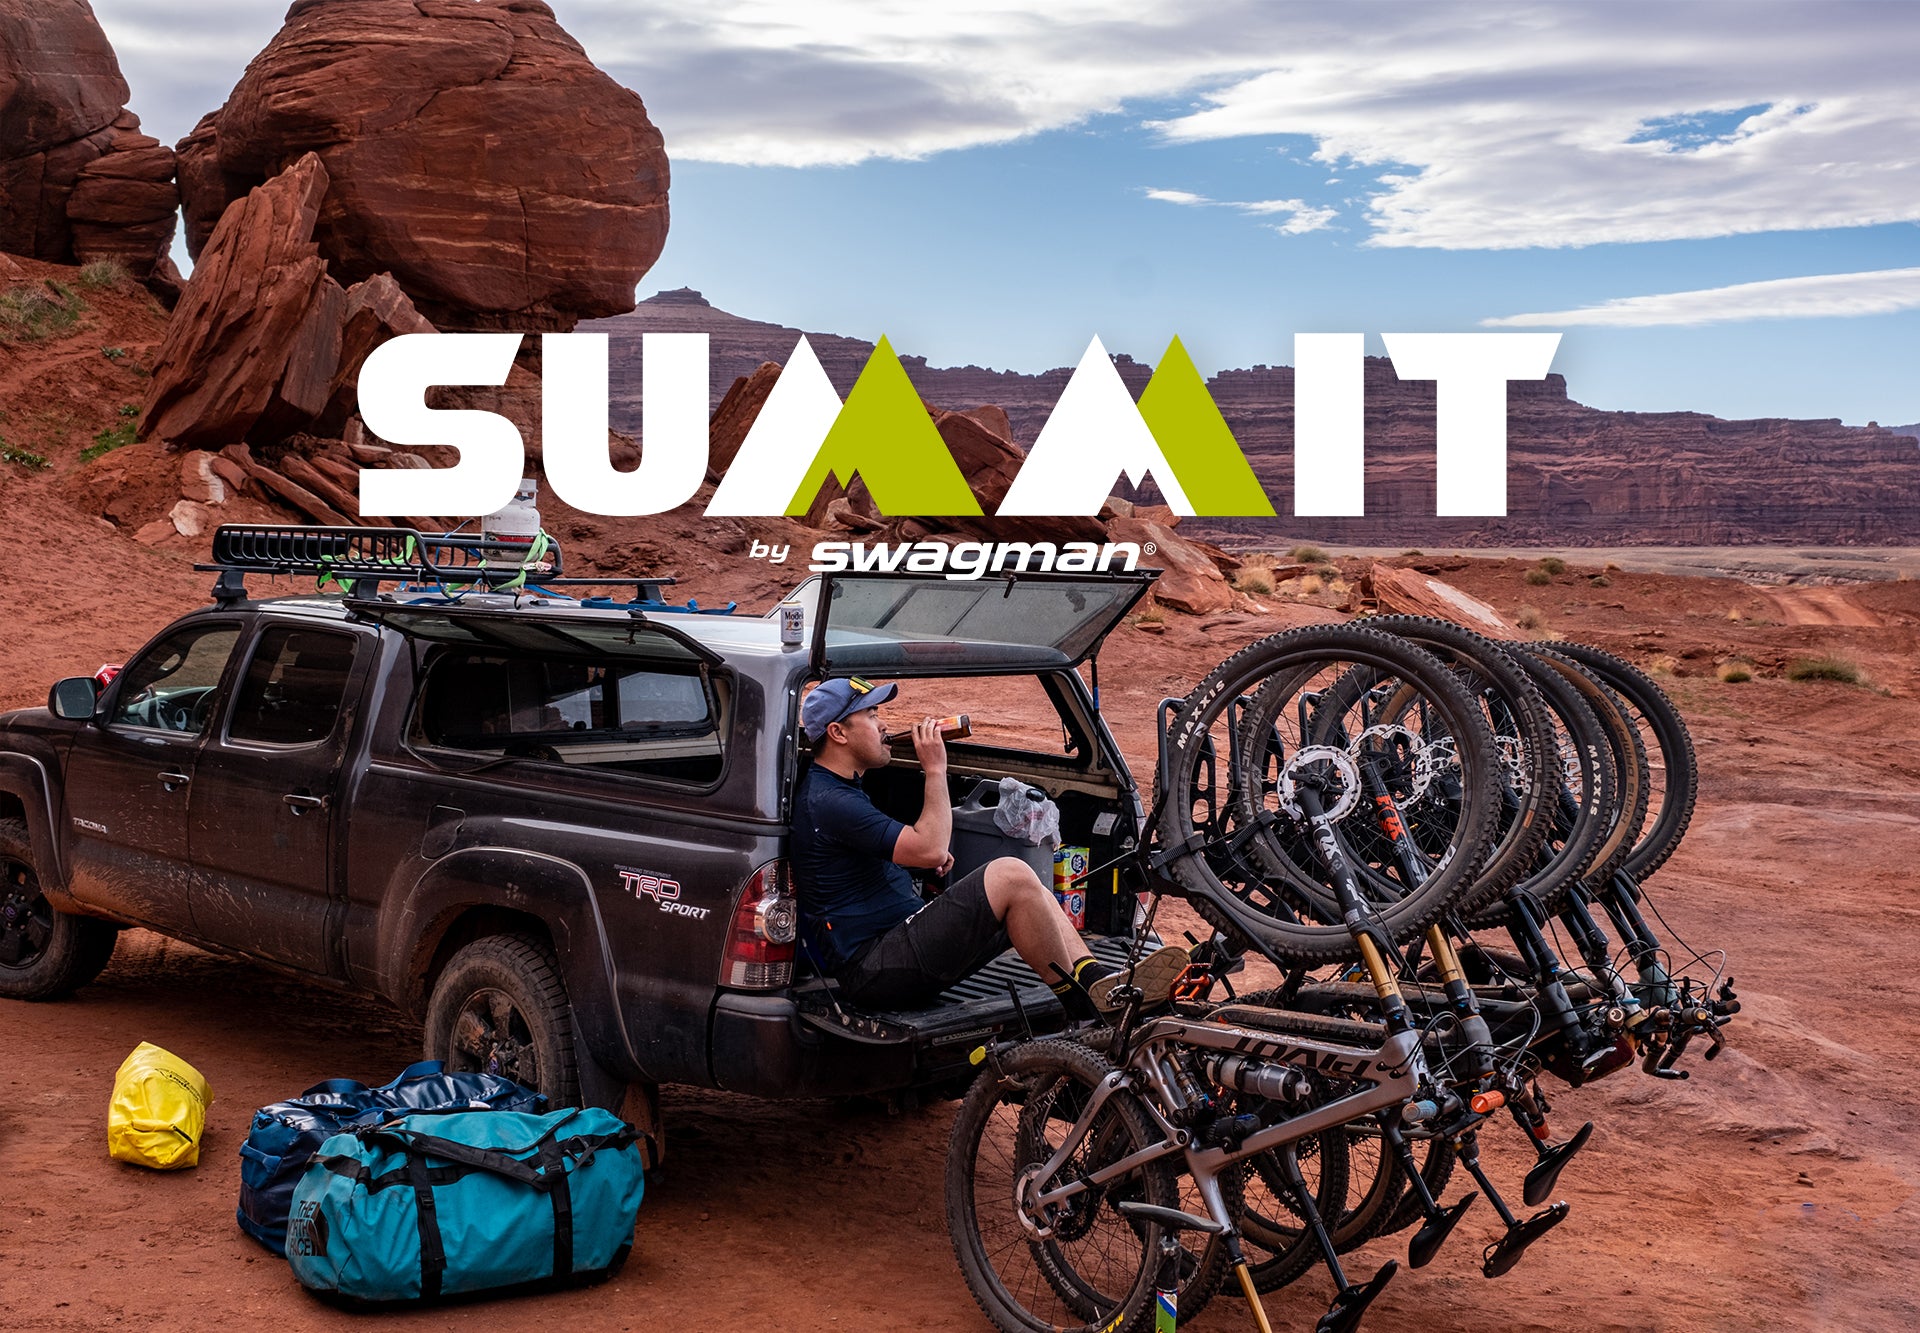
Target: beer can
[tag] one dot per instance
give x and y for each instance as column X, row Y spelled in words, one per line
column 793, row 622
column 1069, row 887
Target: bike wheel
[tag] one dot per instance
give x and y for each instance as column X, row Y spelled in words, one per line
column 1674, row 775
column 1585, row 788
column 1629, row 754
column 1082, row 1264
column 1523, row 738
column 1315, row 695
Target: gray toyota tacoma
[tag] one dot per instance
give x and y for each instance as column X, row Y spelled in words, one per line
column 552, row 827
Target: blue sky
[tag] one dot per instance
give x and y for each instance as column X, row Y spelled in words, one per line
column 1718, row 205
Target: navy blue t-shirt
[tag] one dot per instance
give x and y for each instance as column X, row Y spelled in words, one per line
column 850, row 889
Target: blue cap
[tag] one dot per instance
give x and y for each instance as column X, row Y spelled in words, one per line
column 835, row 700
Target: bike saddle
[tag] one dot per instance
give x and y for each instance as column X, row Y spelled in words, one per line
column 1504, row 1253
column 1343, row 1316
column 1428, row 1239
column 1546, row 1172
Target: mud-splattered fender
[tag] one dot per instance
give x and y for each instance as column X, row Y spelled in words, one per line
column 27, row 780
column 512, row 880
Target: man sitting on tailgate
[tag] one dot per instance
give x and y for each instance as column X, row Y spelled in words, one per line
column 858, row 907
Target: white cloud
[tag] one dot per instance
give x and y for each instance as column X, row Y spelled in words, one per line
column 1835, row 294
column 1301, row 217
column 1473, row 127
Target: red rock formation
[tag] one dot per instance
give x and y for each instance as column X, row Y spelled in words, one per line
column 1579, row 476
column 264, row 341
column 475, row 153
column 1394, row 591
column 735, row 417
column 78, row 181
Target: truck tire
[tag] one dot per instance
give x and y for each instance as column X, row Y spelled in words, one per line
column 500, row 1007
column 44, row 953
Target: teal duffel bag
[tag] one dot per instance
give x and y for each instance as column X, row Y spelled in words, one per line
column 434, row 1205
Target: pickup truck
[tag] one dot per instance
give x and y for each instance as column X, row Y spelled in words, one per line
column 551, row 828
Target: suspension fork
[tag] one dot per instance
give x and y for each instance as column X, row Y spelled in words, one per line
column 1592, row 943
column 1643, row 946
column 1373, row 942
column 1524, row 925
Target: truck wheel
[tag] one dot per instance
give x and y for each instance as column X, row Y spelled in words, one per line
column 500, row 1007
column 44, row 953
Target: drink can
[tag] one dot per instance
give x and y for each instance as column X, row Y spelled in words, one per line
column 1069, row 887
column 793, row 622
column 1074, row 904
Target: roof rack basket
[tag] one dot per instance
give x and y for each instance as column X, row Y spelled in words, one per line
column 362, row 558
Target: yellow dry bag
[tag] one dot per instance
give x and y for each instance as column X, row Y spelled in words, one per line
column 158, row 1111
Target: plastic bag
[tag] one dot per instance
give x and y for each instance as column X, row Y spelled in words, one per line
column 1025, row 814
column 159, row 1110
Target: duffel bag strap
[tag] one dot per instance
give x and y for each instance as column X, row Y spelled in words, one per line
column 339, row 1087
column 417, row 1146
column 554, row 1160
column 433, row 1254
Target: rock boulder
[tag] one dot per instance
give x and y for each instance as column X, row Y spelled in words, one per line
column 473, row 149
column 78, row 181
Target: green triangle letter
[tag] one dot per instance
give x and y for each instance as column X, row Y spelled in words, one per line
column 1198, row 446
column 884, row 434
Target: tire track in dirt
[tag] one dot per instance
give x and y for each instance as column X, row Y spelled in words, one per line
column 1821, row 606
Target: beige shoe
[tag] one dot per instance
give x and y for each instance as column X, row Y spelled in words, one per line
column 1154, row 975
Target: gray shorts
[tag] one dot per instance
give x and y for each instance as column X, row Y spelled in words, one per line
column 948, row 940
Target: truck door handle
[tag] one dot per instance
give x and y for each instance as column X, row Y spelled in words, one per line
column 172, row 780
column 302, row 804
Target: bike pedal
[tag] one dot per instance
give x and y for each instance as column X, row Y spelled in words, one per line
column 1504, row 1253
column 1546, row 1172
column 1428, row 1239
column 1343, row 1316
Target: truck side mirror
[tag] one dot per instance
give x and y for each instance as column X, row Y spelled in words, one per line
column 74, row 698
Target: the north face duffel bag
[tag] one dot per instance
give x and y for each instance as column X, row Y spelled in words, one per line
column 438, row 1205
column 286, row 1135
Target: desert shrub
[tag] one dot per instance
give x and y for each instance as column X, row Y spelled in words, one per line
column 1735, row 672
column 29, row 314
column 1254, row 580
column 1529, row 617
column 114, row 354
column 1554, row 565
column 1599, row 581
column 1537, row 578
column 1312, row 585
column 114, row 437
column 1308, row 555
column 1153, row 615
column 1825, row 667
column 101, row 274
column 26, row 458
column 1407, row 553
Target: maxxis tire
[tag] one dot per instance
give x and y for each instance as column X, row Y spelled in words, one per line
column 1661, row 835
column 523, row 971
column 66, row 951
column 1463, row 651
column 1294, row 650
column 1630, row 754
column 1031, row 1070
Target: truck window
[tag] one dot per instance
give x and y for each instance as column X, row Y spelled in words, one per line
column 294, row 686
column 612, row 716
column 171, row 686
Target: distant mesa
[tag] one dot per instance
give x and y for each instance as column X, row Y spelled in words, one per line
column 474, row 152
column 1578, row 476
column 78, row 181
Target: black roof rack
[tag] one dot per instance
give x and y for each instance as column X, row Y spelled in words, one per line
column 362, row 558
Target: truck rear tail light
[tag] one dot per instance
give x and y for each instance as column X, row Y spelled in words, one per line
column 760, row 942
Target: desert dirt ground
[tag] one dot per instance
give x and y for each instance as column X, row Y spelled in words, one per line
column 1775, row 1189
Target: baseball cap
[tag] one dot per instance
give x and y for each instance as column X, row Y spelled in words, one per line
column 840, row 698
